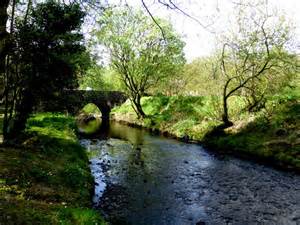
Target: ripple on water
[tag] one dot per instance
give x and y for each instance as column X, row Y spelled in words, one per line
column 160, row 181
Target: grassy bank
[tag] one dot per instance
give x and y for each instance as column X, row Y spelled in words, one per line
column 46, row 179
column 271, row 135
column 187, row 117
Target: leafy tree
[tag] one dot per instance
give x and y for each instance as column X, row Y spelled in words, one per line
column 45, row 54
column 137, row 51
column 254, row 57
column 100, row 78
column 202, row 77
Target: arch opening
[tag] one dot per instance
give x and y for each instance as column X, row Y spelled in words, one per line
column 89, row 119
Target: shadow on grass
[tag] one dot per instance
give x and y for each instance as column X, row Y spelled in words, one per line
column 47, row 180
column 273, row 140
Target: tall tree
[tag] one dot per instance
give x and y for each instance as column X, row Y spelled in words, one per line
column 4, row 37
column 45, row 51
column 137, row 51
column 255, row 55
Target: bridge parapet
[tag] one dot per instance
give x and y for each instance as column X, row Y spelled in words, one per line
column 73, row 101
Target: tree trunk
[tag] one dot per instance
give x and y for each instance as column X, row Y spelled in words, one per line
column 225, row 117
column 4, row 36
column 138, row 107
column 23, row 110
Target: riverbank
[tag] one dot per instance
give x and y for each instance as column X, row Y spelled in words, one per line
column 45, row 178
column 148, row 179
column 270, row 137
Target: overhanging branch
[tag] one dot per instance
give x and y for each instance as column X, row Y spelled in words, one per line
column 154, row 20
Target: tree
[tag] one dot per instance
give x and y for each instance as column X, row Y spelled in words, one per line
column 202, row 77
column 137, row 51
column 100, row 78
column 254, row 56
column 45, row 57
column 4, row 36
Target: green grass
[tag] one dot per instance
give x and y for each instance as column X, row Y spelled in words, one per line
column 47, row 179
column 273, row 135
column 254, row 134
column 180, row 116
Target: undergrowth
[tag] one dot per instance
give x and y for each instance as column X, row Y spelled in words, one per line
column 181, row 116
column 46, row 180
column 272, row 134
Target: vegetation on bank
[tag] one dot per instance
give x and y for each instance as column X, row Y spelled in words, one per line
column 46, row 178
column 188, row 117
column 271, row 134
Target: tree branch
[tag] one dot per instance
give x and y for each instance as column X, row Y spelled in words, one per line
column 154, row 20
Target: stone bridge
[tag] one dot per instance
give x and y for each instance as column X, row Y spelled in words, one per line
column 73, row 101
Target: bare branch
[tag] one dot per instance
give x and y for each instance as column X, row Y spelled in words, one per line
column 171, row 5
column 154, row 20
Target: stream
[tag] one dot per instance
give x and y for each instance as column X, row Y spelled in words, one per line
column 145, row 179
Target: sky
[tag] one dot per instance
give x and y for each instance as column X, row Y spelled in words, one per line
column 200, row 41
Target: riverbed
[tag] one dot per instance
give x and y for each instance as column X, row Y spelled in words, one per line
column 145, row 179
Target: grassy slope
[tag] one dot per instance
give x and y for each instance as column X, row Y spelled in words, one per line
column 180, row 116
column 273, row 137
column 47, row 179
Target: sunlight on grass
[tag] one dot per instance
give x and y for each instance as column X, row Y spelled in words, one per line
column 48, row 181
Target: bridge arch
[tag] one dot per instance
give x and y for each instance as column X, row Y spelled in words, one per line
column 73, row 101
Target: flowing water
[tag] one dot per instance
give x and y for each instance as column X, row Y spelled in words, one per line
column 143, row 179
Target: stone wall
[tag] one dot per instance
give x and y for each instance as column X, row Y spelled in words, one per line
column 74, row 100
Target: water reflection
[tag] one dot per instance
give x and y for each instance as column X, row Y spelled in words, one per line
column 154, row 180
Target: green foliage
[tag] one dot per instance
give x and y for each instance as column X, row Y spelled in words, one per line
column 260, row 137
column 255, row 60
column 99, row 78
column 138, row 53
column 50, row 49
column 75, row 175
column 71, row 216
column 47, row 56
column 178, row 115
column 201, row 77
column 255, row 134
column 91, row 109
column 48, row 180
column 52, row 125
column 91, row 126
column 1, row 123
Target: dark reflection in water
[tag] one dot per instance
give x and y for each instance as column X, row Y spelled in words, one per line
column 151, row 180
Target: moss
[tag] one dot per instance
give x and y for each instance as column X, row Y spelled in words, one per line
column 46, row 180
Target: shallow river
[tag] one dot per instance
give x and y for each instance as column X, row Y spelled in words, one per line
column 143, row 179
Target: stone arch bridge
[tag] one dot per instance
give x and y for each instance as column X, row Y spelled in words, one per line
column 73, row 101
